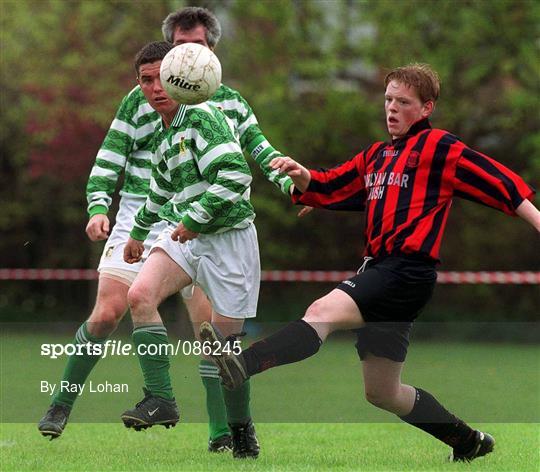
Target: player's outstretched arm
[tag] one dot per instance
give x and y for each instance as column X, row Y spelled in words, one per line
column 324, row 188
column 297, row 172
column 252, row 139
column 97, row 228
column 529, row 213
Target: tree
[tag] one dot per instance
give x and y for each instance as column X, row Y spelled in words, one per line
column 312, row 71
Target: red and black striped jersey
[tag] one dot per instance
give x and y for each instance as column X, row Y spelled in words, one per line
column 406, row 188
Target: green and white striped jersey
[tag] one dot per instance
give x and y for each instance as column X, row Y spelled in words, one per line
column 128, row 146
column 199, row 175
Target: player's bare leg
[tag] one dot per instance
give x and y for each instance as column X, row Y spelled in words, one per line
column 334, row 312
column 384, row 389
column 159, row 277
column 109, row 309
column 111, row 306
column 297, row 341
column 199, row 308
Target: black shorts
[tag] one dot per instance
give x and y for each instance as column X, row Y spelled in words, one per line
column 390, row 294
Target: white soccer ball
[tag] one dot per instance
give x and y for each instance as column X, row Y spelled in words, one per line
column 190, row 73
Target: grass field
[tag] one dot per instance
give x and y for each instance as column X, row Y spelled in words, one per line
column 366, row 447
column 309, row 416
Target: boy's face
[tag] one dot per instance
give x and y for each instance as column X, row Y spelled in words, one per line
column 403, row 108
column 153, row 91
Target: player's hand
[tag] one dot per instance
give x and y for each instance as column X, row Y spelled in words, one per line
column 182, row 234
column 286, row 165
column 297, row 172
column 133, row 251
column 304, row 211
column 97, row 228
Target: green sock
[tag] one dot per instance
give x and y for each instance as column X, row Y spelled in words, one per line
column 215, row 406
column 237, row 402
column 151, row 346
column 78, row 368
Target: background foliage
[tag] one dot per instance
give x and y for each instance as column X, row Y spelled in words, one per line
column 312, row 71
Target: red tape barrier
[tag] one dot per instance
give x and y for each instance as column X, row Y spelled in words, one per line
column 290, row 276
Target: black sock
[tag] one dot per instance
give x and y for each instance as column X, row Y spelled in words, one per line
column 295, row 342
column 430, row 416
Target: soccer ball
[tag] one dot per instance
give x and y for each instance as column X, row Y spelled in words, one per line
column 190, row 73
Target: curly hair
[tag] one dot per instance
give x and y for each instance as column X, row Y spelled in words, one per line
column 189, row 18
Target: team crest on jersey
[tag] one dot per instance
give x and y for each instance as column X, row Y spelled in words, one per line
column 413, row 159
column 182, row 145
column 109, row 251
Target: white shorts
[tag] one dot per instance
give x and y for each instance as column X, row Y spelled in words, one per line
column 187, row 292
column 113, row 252
column 225, row 265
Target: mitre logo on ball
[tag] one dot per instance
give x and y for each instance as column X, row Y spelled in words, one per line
column 190, row 73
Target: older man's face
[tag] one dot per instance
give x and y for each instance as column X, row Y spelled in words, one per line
column 195, row 35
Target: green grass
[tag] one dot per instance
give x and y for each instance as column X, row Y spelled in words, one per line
column 367, row 447
column 309, row 416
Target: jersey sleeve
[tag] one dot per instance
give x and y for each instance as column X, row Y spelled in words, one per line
column 223, row 166
column 161, row 191
column 340, row 188
column 483, row 180
column 111, row 159
column 255, row 143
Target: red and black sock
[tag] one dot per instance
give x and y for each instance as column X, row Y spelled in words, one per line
column 293, row 343
column 430, row 416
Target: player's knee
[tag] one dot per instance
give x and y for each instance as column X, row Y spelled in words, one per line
column 101, row 327
column 321, row 317
column 317, row 312
column 109, row 310
column 106, row 315
column 139, row 297
column 381, row 398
